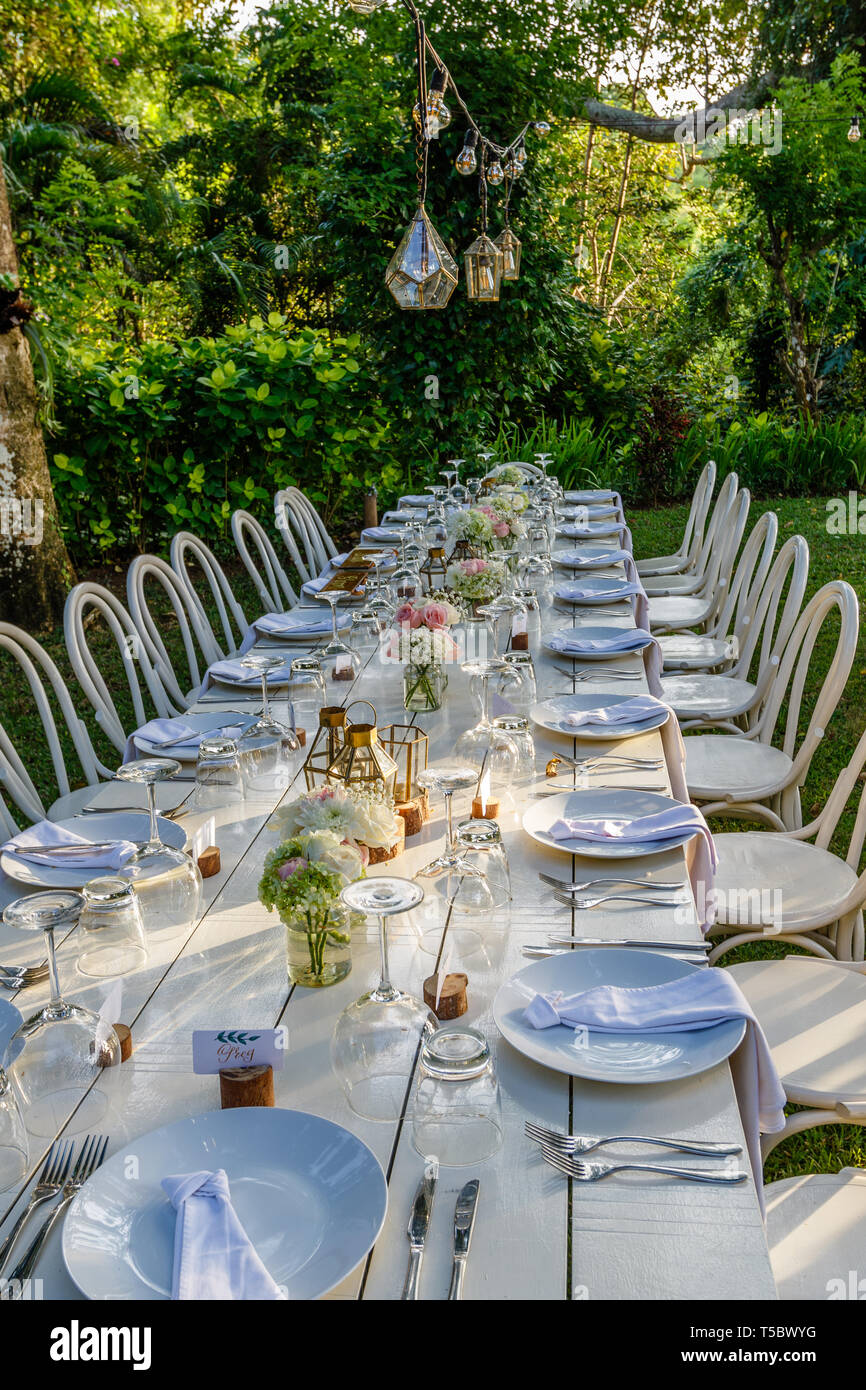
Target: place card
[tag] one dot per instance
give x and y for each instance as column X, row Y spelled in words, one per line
column 212, row 1051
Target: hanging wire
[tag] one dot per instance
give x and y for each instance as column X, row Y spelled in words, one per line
column 422, row 142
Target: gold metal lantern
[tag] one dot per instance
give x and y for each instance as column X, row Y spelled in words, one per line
column 330, row 737
column 483, row 265
column 408, row 746
column 422, row 273
column 509, row 249
column 434, row 569
column 362, row 762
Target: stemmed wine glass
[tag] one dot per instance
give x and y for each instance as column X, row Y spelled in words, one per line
column 167, row 880
column 406, row 580
column 376, row 1040
column 486, row 748
column 447, row 778
column 266, row 746
column 59, row 1052
column 458, row 494
column 338, row 654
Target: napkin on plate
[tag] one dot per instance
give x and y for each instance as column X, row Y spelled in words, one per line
column 416, row 499
column 698, row 1000
column 45, row 835
column 574, row 592
column 578, row 559
column 233, row 670
column 591, row 528
column 633, row 711
column 658, row 827
column 177, row 733
column 386, row 534
column 626, row 641
column 213, row 1255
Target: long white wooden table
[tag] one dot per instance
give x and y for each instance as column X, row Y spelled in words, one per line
column 538, row 1235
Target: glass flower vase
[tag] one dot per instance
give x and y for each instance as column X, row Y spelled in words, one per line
column 424, row 686
column 319, row 952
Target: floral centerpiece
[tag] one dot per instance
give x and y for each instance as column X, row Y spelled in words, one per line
column 470, row 530
column 360, row 818
column 302, row 879
column 476, row 581
column 424, row 646
column 507, row 507
column 508, row 475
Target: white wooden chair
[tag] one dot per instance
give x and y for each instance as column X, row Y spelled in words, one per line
column 148, row 574
column 688, row 582
column 733, row 700
column 686, row 556
column 721, row 644
column 323, row 543
column 292, row 527
column 816, row 1233
column 270, row 579
column 757, row 775
column 46, row 686
column 146, row 690
column 201, row 572
column 675, row 611
column 789, row 886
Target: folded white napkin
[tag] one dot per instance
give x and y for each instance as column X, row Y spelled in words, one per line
column 587, row 559
column 297, row 624
column 698, row 1000
column 633, row 711
column 372, row 535
column 658, row 827
column 626, row 641
column 400, row 518
column 177, row 733
column 233, row 670
column 574, row 591
column 591, row 528
column 213, row 1256
column 415, row 499
column 33, row 845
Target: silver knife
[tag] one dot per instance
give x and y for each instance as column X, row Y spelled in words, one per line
column 419, row 1222
column 464, row 1220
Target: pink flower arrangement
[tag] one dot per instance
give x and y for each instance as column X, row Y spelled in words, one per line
column 290, row 867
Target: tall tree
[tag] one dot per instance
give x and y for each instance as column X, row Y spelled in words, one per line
column 35, row 570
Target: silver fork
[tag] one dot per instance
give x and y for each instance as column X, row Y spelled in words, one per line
column 620, row 879
column 617, row 898
column 20, row 979
column 91, row 1155
column 592, row 1172
column 609, row 759
column 51, row 1179
column 582, row 1144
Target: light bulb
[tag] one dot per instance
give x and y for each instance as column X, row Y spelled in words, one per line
column 495, row 173
column 512, row 169
column 520, row 154
column 437, row 114
column 854, row 130
column 466, row 161
column 541, row 128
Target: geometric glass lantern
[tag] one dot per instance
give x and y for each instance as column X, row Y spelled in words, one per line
column 362, row 762
column 509, row 249
column 422, row 273
column 407, row 744
column 365, row 6
column 483, row 264
column 434, row 568
column 330, row 737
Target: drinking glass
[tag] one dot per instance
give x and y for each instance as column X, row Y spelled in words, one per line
column 218, row 779
column 337, row 655
column 375, row 1043
column 457, row 1113
column 110, row 929
column 64, row 1047
column 517, row 685
column 406, row 579
column 479, row 842
column 167, row 880
column 447, row 778
column 490, row 750
column 13, row 1136
column 306, row 691
column 517, row 728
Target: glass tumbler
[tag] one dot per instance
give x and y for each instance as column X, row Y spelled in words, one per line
column 518, row 684
column 218, row 777
column 457, row 1115
column 110, row 929
column 479, row 844
column 517, row 725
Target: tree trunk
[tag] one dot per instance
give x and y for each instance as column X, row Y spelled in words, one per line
column 35, row 570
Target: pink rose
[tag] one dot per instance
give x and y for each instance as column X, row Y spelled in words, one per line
column 489, row 513
column 435, row 615
column 404, row 613
column 501, row 529
column 290, row 867
column 363, row 850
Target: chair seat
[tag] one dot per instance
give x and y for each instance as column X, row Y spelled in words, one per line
column 661, row 564
column 679, row 612
column 816, row 1231
column 718, row 764
column 663, row 584
column 688, row 651
column 811, row 882
column 813, row 1013
column 719, row 696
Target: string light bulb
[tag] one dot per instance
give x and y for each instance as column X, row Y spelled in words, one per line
column 854, row 130
column 466, row 161
column 541, row 128
column 520, row 153
column 495, row 173
column 438, row 115
column 512, row 169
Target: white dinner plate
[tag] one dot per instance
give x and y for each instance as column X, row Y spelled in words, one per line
column 589, row 495
column 113, row 825
column 276, row 678
column 629, row 1058
column 311, row 1197
column 548, row 714
column 594, row 588
column 592, row 530
column 203, row 723
column 626, row 802
column 287, row 635
column 593, row 632
column 587, row 511
column 586, row 556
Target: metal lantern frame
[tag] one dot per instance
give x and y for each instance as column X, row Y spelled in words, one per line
column 409, row 746
column 362, row 762
column 434, row 568
column 422, row 273
column 509, row 249
column 483, row 265
column 329, row 739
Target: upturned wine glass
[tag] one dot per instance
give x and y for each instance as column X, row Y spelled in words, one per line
column 337, row 655
column 58, row 1053
column 376, row 1041
column 486, row 748
column 167, row 880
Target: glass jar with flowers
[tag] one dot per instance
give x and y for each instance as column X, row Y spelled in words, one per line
column 360, row 819
column 469, row 533
column 475, row 582
column 302, row 881
column 422, row 644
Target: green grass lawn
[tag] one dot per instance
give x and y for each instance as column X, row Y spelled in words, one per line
column 659, row 532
